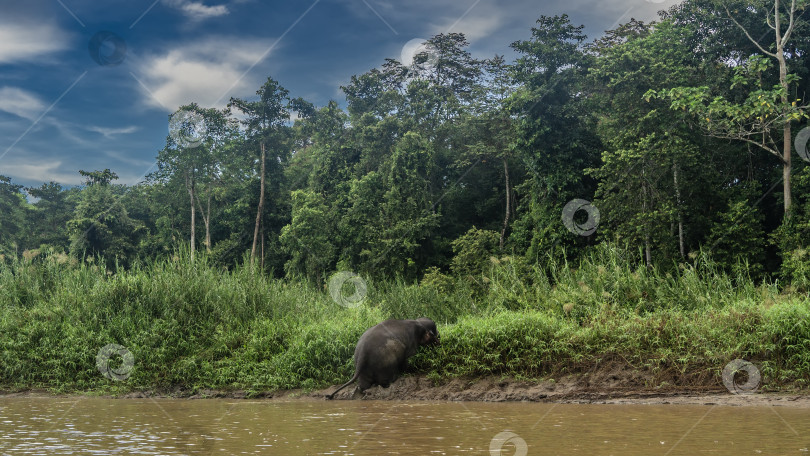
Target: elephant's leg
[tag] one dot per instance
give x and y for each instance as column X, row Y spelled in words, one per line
column 363, row 383
column 386, row 379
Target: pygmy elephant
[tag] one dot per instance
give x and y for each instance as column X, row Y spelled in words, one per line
column 383, row 350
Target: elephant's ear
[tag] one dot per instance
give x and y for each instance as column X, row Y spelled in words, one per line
column 422, row 334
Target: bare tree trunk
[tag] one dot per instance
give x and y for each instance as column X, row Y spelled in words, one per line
column 190, row 187
column 786, row 165
column 262, row 236
column 208, row 225
column 786, row 170
column 259, row 211
column 780, row 57
column 206, row 216
column 678, row 209
column 647, row 248
column 508, row 201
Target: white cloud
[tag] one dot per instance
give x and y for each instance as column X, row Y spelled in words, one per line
column 475, row 18
column 20, row 102
column 43, row 171
column 23, row 166
column 110, row 132
column 481, row 22
column 207, row 72
column 21, row 41
column 198, row 11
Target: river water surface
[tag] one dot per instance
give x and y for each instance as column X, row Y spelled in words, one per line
column 79, row 426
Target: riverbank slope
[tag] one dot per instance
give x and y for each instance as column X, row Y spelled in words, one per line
column 608, row 324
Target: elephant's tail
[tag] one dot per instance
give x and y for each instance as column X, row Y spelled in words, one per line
column 331, row 396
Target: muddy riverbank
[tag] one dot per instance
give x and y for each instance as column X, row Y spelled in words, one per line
column 571, row 389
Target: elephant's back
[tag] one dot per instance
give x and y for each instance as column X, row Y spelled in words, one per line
column 366, row 341
column 377, row 346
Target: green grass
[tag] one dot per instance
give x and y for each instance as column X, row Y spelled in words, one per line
column 199, row 327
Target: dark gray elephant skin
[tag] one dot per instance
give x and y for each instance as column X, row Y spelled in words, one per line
column 382, row 352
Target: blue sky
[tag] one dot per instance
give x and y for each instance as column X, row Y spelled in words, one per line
column 61, row 111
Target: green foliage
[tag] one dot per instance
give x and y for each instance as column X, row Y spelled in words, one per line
column 737, row 235
column 796, row 268
column 308, row 239
column 47, row 223
column 443, row 185
column 792, row 238
column 473, row 251
column 408, row 215
column 429, row 149
column 13, row 208
column 436, row 279
column 757, row 118
column 552, row 147
column 654, row 179
column 197, row 327
column 98, row 177
column 101, row 228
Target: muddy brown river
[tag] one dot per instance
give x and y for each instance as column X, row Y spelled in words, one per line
column 91, row 426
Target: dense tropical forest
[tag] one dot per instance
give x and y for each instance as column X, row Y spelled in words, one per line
column 575, row 190
column 673, row 129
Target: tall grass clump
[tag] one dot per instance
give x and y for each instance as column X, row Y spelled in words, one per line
column 608, row 277
column 189, row 325
column 193, row 326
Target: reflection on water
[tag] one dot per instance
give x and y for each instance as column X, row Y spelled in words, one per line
column 53, row 426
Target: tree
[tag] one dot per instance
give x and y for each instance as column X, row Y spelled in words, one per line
column 215, row 167
column 442, row 79
column 13, row 207
column 194, row 157
column 378, row 92
column 100, row 226
column 554, row 139
column 265, row 123
column 493, row 130
column 47, row 223
column 308, row 239
column 757, row 117
column 782, row 38
column 736, row 236
column 408, row 215
column 98, row 177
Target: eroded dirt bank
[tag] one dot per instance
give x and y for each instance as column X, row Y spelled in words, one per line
column 610, row 384
column 612, row 381
column 567, row 390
